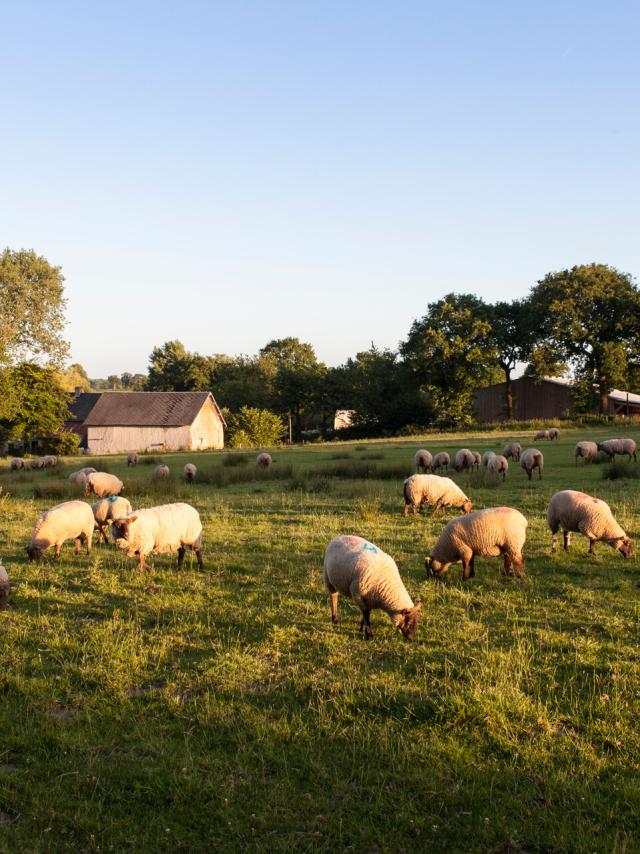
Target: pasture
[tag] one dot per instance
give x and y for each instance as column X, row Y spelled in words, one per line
column 222, row 711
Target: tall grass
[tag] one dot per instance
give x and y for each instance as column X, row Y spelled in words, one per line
column 364, row 470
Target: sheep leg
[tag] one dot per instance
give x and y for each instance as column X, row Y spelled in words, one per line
column 506, row 568
column 539, row 473
column 141, row 563
column 467, row 568
column 366, row 622
column 334, row 607
column 406, row 511
column 567, row 540
column 518, row 563
column 437, row 507
column 592, row 544
column 199, row 558
column 554, row 542
column 78, row 541
column 180, row 557
column 529, row 473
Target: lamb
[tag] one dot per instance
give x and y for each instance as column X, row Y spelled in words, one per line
column 577, row 511
column 264, row 460
column 541, row 434
column 611, row 447
column 132, row 459
column 102, row 484
column 464, row 460
column 71, row 520
column 586, row 451
column 436, row 491
column 512, row 451
column 106, row 510
column 5, row 588
column 190, row 472
column 554, row 433
column 356, row 568
column 423, row 460
column 498, row 465
column 531, row 459
column 161, row 472
column 159, row 530
column 18, row 464
column 441, row 461
column 485, row 533
column 487, row 456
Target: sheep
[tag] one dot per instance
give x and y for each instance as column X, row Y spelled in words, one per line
column 356, row 568
column 512, row 451
column 554, row 433
column 541, row 434
column 158, row 530
column 586, row 451
column 190, row 472
column 5, row 588
column 264, row 460
column 577, row 511
column 18, row 464
column 441, row 461
column 107, row 509
column 132, row 460
column 464, row 460
column 423, row 461
column 102, row 484
column 71, row 520
column 477, row 459
column 439, row 492
column 531, row 459
column 611, row 447
column 161, row 472
column 487, row 456
column 485, row 533
column 81, row 475
column 498, row 465
column 50, row 461
column 37, row 463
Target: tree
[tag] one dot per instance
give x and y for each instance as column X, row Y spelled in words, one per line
column 173, row 368
column 297, row 373
column 74, row 377
column 252, row 428
column 514, row 336
column 41, row 404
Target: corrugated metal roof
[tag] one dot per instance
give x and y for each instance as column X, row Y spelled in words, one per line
column 148, row 408
column 623, row 396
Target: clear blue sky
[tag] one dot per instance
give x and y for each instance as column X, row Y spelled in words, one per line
column 226, row 173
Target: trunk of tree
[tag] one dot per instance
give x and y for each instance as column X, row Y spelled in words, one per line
column 604, row 398
column 508, row 393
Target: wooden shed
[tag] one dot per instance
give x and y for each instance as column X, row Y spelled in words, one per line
column 545, row 398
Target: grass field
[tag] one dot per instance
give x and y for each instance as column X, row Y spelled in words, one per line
column 222, row 711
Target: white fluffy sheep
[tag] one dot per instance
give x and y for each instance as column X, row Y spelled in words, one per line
column 81, row 475
column 541, row 434
column 532, row 459
column 106, row 510
column 477, row 459
column 5, row 588
column 37, row 463
column 71, row 520
column 442, row 460
column 485, row 533
column 132, row 459
column 554, row 433
column 159, row 530
column 161, row 472
column 512, row 451
column 487, row 456
column 356, row 568
column 190, row 472
column 611, row 447
column 423, row 460
column 18, row 464
column 498, row 465
column 102, row 484
column 586, row 451
column 577, row 511
column 464, row 460
column 264, row 460
column 438, row 492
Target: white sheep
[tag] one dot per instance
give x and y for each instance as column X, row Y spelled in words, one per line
column 5, row 588
column 498, row 465
column 487, row 456
column 438, row 492
column 477, row 459
column 441, row 460
column 71, row 520
column 541, row 434
column 577, row 511
column 264, row 460
column 190, row 472
column 106, row 510
column 356, row 568
column 512, row 451
column 554, row 433
column 81, row 475
column 161, row 472
column 464, row 460
column 37, row 463
column 586, row 451
column 611, row 447
column 50, row 461
column 159, row 530
column 132, row 459
column 423, row 460
column 532, row 459
column 485, row 533
column 18, row 464
column 102, row 484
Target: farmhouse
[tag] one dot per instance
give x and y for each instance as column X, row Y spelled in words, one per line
column 117, row 422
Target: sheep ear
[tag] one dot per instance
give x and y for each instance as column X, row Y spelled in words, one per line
column 416, row 607
column 131, row 519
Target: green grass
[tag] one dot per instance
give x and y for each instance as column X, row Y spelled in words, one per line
column 222, row 711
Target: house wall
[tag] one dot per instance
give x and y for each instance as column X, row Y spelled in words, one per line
column 118, row 440
column 207, row 430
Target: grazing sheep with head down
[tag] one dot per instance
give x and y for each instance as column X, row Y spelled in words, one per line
column 356, row 568
column 159, row 530
column 442, row 460
column 464, row 460
column 423, row 460
column 190, row 472
column 477, row 459
column 485, row 533
column 487, row 456
column 5, row 588
column 512, row 451
column 498, row 465
column 541, row 434
column 554, row 433
column 438, row 492
column 106, row 510
column 18, row 464
column 586, row 451
column 102, row 484
column 532, row 459
column 81, row 475
column 37, row 463
column 264, row 460
column 577, row 511
column 71, row 520
column 611, row 447
column 161, row 472
column 132, row 459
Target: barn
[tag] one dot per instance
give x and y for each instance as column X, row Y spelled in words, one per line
column 118, row 422
column 546, row 398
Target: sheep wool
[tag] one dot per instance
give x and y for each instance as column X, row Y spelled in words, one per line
column 464, row 460
column 264, row 460
column 160, row 530
column 586, row 451
column 18, row 464
column 582, row 513
column 132, row 459
column 532, row 459
column 436, row 491
column 541, row 434
column 423, row 460
column 107, row 509
column 477, row 459
column 554, row 433
column 441, row 460
column 485, row 533
column 487, row 456
column 71, row 520
column 161, row 471
column 102, row 484
column 5, row 588
column 357, row 568
column 512, row 451
column 498, row 465
column 190, row 472
column 611, row 447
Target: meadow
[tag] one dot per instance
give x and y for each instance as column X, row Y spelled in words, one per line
column 220, row 710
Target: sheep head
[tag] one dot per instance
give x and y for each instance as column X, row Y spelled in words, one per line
column 410, row 621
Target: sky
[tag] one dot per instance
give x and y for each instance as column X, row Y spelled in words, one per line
column 226, row 173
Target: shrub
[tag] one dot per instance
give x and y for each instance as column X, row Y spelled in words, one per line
column 65, row 443
column 252, row 428
column 619, row 470
column 364, row 470
column 150, row 459
column 232, row 460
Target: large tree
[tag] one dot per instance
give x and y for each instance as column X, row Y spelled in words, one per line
column 173, row 368
column 514, row 337
column 39, row 403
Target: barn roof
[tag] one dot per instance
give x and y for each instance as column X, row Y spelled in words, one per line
column 148, row 408
column 81, row 405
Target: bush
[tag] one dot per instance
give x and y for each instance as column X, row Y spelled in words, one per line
column 149, row 459
column 364, row 470
column 621, row 470
column 232, row 460
column 253, row 428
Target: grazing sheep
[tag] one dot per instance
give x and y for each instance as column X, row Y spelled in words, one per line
column 541, row 434
column 102, row 484
column 487, row 456
column 554, row 433
column 106, row 510
column 438, row 492
column 264, row 460
column 5, row 588
column 161, row 472
column 50, row 461
column 81, row 475
column 498, row 465
column 577, row 511
column 586, row 451
column 190, row 472
column 357, row 568
column 485, row 533
column 423, row 460
column 71, row 520
column 477, row 459
column 37, row 463
column 18, row 464
column 512, row 451
column 132, row 459
column 441, row 461
column 464, row 460
column 611, row 447
column 532, row 459
column 158, row 530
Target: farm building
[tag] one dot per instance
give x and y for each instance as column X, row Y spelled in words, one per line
column 117, row 422
column 532, row 398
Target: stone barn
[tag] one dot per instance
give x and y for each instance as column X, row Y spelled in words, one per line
column 119, row 422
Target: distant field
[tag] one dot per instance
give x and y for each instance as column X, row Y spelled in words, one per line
column 222, row 711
